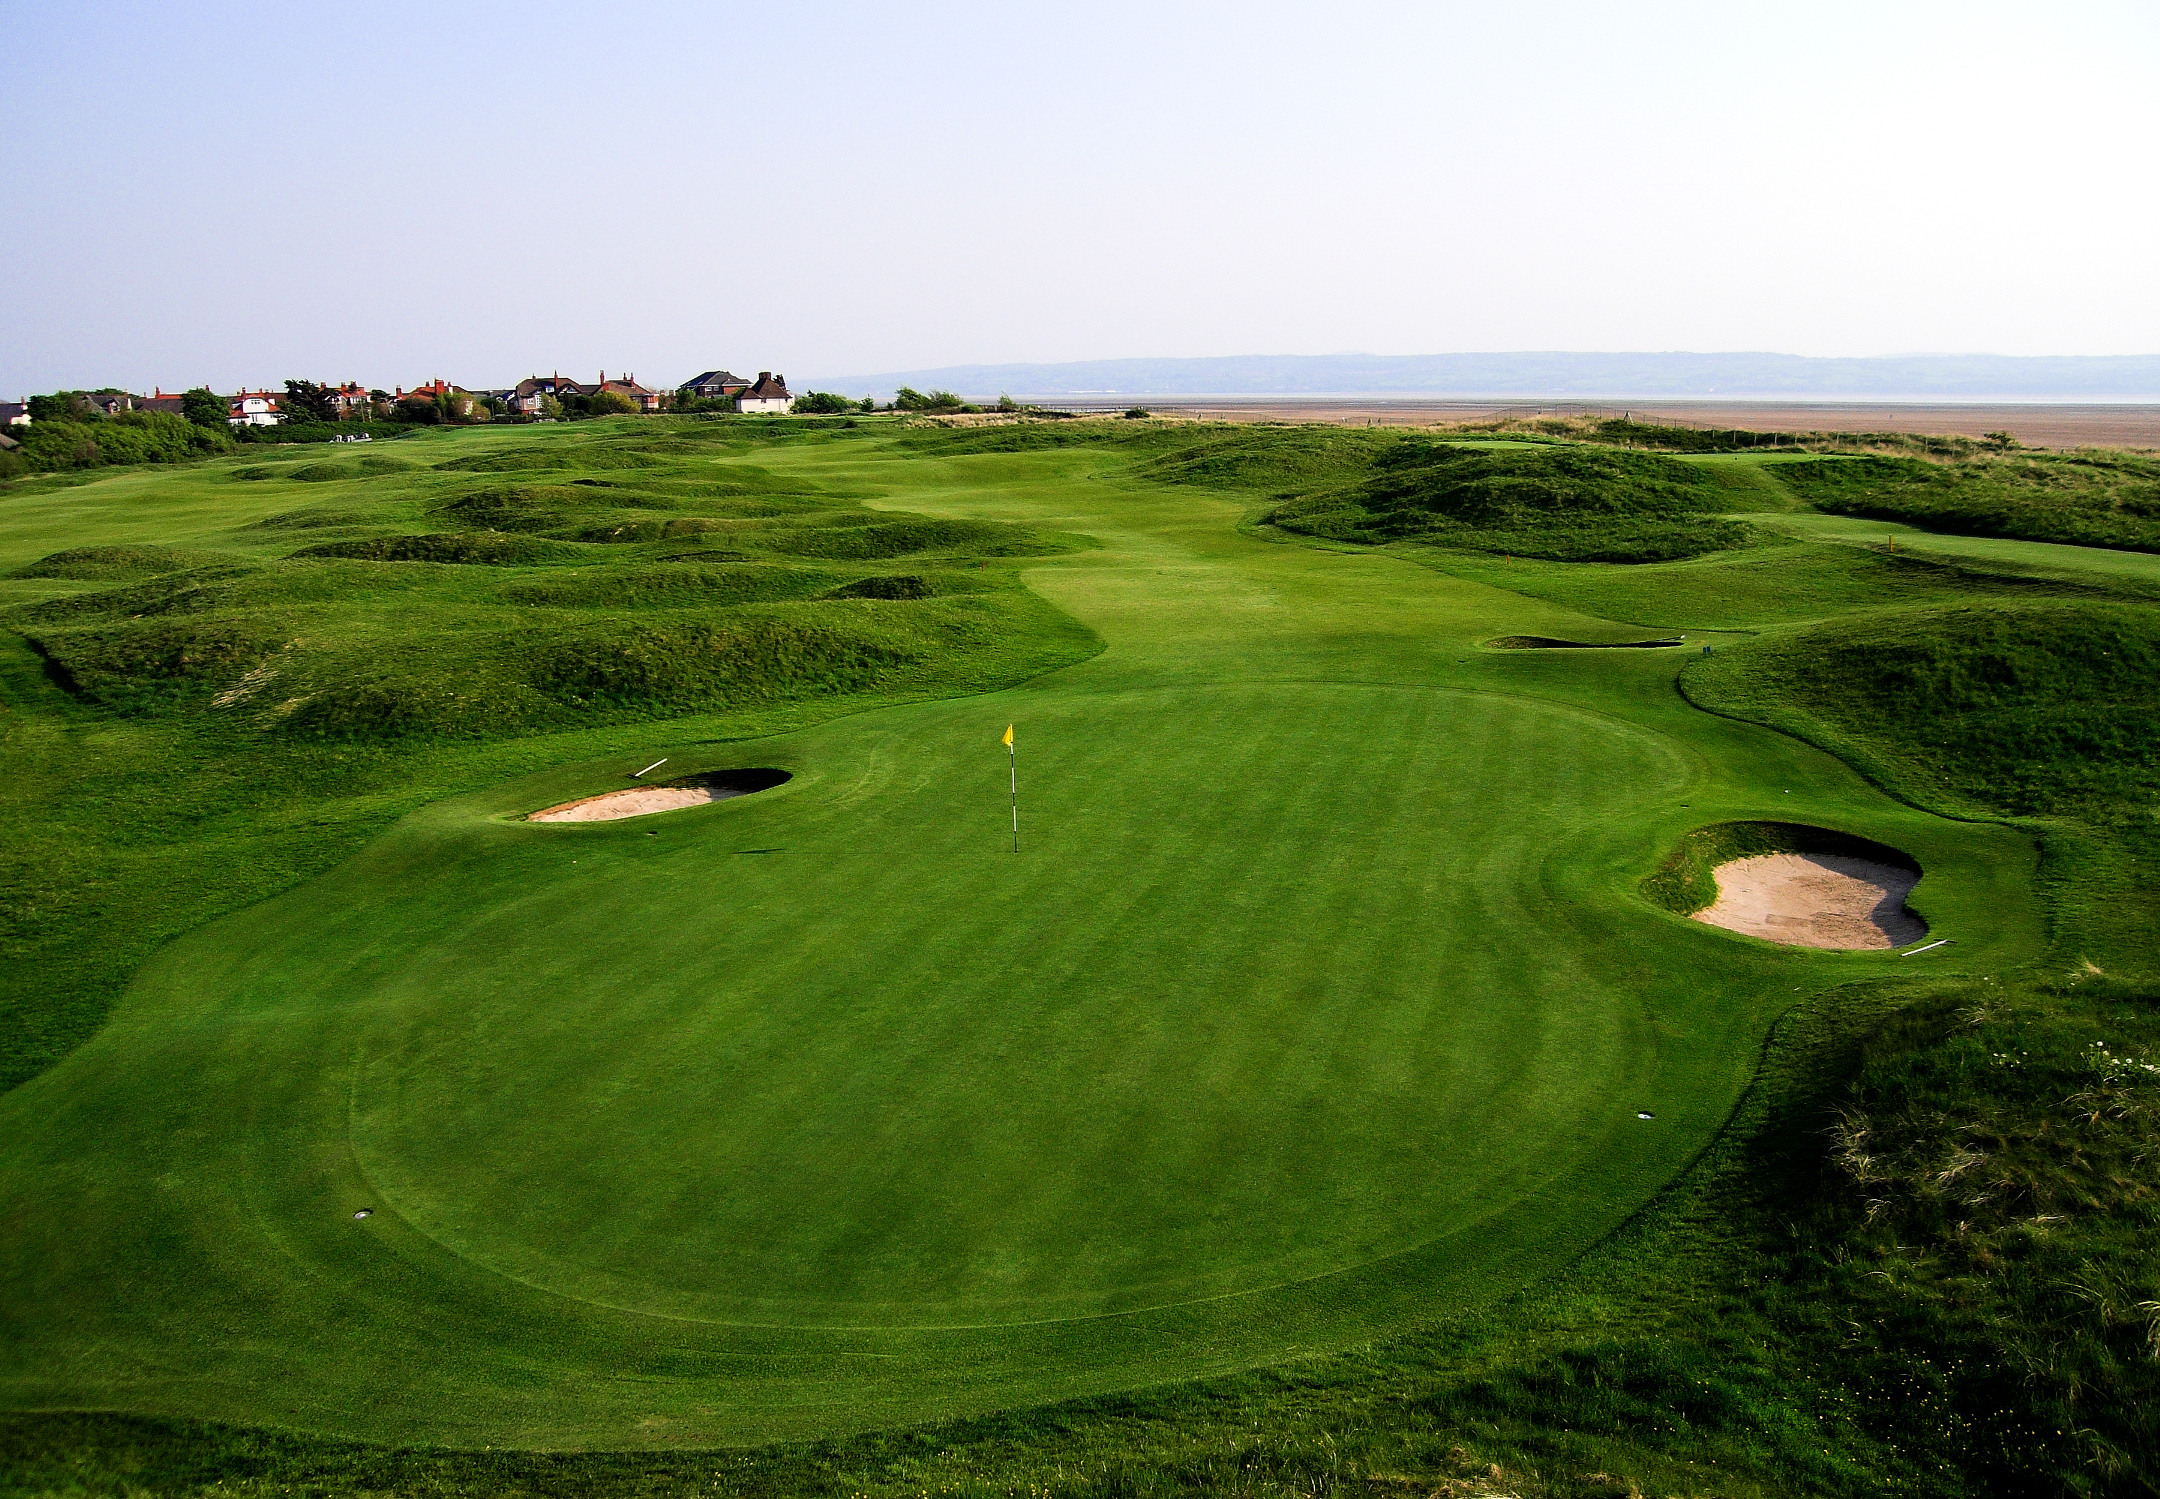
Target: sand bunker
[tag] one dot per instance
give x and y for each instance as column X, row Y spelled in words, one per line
column 1554, row 643
column 1816, row 900
column 642, row 801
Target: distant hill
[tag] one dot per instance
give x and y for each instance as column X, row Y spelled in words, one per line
column 1900, row 376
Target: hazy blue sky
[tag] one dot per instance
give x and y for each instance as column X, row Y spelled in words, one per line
column 244, row 193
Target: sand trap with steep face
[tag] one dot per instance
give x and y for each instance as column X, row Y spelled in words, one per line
column 640, row 801
column 1816, row 900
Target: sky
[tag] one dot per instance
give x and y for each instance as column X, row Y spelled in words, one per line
column 246, row 193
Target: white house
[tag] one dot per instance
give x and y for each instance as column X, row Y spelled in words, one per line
column 253, row 408
column 768, row 394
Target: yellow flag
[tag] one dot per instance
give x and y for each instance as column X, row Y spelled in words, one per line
column 1008, row 736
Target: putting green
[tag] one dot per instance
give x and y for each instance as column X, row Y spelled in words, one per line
column 1319, row 1002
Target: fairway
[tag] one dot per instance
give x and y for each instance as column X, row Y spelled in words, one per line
column 1319, row 1002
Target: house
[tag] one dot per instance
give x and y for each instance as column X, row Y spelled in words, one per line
column 170, row 405
column 14, row 413
column 351, row 400
column 525, row 399
column 714, row 385
column 460, row 399
column 8, row 444
column 253, row 408
column 110, row 402
column 647, row 400
column 769, row 393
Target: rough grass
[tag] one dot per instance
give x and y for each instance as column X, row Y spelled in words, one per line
column 2104, row 499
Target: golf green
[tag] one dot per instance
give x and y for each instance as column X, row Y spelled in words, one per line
column 1318, row 1002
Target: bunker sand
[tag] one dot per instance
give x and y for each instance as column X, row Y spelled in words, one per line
column 642, row 801
column 1816, row 900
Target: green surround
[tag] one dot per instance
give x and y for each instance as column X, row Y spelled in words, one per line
column 1319, row 1003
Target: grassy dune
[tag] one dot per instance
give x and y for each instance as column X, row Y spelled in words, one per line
column 1270, row 1121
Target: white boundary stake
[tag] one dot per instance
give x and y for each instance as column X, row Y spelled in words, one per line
column 1929, row 948
column 638, row 775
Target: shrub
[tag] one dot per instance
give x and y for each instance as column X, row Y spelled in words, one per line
column 206, row 408
column 131, row 437
column 907, row 399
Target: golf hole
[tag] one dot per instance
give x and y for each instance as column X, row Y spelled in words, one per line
column 1644, row 1114
column 365, row 1213
column 668, row 796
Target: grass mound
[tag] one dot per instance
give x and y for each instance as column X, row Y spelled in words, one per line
column 531, row 508
column 515, row 461
column 383, row 710
column 118, row 564
column 2042, row 707
column 1562, row 504
column 2085, row 499
column 647, row 528
column 893, row 586
column 1686, row 881
column 678, row 585
column 1275, row 458
column 312, row 518
column 902, row 538
column 670, row 669
column 477, row 548
column 148, row 665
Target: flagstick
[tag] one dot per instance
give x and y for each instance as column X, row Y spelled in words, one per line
column 1013, row 752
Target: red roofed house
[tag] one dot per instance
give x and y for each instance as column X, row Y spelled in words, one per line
column 253, row 408
column 460, row 400
column 647, row 400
